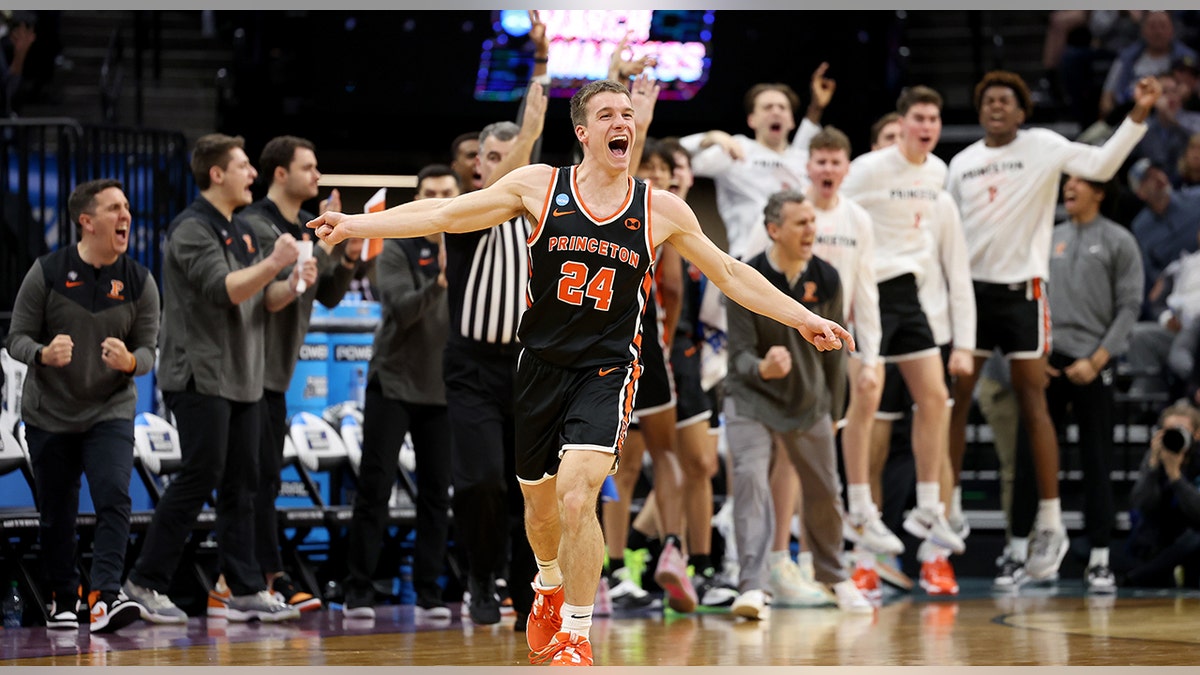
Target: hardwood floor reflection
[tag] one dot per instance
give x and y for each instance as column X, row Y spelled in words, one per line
column 1046, row 629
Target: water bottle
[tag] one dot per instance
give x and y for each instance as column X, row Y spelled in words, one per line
column 358, row 386
column 14, row 607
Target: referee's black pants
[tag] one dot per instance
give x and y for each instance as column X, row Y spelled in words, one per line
column 488, row 504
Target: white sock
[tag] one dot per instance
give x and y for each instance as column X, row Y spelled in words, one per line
column 859, row 496
column 805, row 559
column 776, row 557
column 1099, row 557
column 577, row 619
column 549, row 575
column 928, row 496
column 956, row 502
column 1019, row 549
column 1049, row 513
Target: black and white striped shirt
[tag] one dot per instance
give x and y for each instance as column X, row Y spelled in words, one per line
column 486, row 274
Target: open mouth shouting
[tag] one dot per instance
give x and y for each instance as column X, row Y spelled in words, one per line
column 619, row 145
column 121, row 235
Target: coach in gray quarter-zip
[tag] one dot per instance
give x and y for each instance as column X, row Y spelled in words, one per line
column 85, row 321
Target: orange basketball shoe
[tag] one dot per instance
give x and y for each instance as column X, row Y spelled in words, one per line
column 937, row 577
column 545, row 617
column 566, row 649
column 867, row 581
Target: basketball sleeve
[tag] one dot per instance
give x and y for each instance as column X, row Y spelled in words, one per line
column 1101, row 163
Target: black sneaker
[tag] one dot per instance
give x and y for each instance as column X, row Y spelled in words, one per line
column 713, row 590
column 432, row 609
column 111, row 612
column 483, row 606
column 288, row 592
column 63, row 615
column 1010, row 574
column 360, row 603
column 1100, row 579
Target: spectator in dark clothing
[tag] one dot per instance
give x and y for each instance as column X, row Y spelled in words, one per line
column 1166, row 504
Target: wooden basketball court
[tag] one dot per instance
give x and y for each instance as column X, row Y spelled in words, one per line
column 1038, row 627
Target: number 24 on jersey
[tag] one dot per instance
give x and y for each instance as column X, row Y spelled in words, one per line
column 575, row 285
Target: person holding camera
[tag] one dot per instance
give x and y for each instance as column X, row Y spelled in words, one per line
column 1166, row 501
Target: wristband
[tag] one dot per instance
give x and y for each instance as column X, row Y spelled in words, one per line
column 541, row 59
column 133, row 369
column 37, row 356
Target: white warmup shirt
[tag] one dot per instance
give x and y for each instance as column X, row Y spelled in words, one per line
column 744, row 186
column 845, row 240
column 901, row 197
column 1006, row 196
column 946, row 292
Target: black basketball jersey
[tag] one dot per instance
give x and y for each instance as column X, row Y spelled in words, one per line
column 589, row 279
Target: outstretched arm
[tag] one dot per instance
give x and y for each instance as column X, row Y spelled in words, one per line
column 519, row 192
column 675, row 222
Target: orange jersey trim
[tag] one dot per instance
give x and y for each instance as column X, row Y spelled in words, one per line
column 620, row 209
column 541, row 222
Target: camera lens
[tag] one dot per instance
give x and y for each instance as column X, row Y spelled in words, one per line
column 1175, row 440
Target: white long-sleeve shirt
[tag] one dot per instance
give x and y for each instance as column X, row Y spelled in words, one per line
column 900, row 197
column 1006, row 195
column 846, row 240
column 947, row 293
column 744, row 186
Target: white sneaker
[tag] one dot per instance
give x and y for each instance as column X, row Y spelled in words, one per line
column 930, row 524
column 959, row 525
column 751, row 605
column 155, row 607
column 1047, row 548
column 261, row 606
column 850, row 599
column 869, row 532
column 790, row 588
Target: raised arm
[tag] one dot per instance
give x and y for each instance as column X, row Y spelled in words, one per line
column 519, row 192
column 1101, row 163
column 822, row 89
column 533, row 119
column 643, row 96
column 674, row 222
column 532, row 114
column 621, row 69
